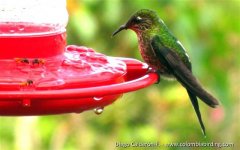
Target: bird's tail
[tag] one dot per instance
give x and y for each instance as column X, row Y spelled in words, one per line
column 196, row 89
column 194, row 101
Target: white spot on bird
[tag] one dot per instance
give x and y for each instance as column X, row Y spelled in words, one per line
column 139, row 18
column 178, row 42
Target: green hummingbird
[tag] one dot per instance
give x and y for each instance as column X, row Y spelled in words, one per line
column 165, row 55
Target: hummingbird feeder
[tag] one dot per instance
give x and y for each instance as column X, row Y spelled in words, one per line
column 41, row 75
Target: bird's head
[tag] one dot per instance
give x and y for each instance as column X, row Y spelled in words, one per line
column 141, row 21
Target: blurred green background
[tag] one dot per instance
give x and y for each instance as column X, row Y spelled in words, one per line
column 209, row 30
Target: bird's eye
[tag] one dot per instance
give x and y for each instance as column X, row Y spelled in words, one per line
column 138, row 19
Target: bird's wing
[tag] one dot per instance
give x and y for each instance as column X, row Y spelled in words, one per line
column 181, row 72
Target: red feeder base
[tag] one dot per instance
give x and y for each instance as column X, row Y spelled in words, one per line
column 80, row 79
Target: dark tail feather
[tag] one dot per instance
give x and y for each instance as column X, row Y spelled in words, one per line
column 196, row 89
column 191, row 83
column 194, row 101
column 206, row 97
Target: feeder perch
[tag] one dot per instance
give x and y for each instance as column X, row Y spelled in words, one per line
column 40, row 75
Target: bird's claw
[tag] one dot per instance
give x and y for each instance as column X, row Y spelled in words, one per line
column 152, row 70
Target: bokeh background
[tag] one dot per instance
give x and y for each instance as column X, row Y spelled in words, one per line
column 208, row 29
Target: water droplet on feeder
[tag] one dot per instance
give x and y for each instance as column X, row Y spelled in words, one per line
column 98, row 110
column 26, row 102
column 21, row 28
column 97, row 98
column 12, row 31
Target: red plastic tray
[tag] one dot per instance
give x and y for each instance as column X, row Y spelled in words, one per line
column 80, row 79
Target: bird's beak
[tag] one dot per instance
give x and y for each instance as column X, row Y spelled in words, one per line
column 122, row 27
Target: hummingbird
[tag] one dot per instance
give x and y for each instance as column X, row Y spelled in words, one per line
column 166, row 56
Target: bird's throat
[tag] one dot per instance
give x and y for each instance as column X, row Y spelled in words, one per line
column 145, row 49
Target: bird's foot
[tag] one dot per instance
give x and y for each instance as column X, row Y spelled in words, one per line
column 152, row 70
